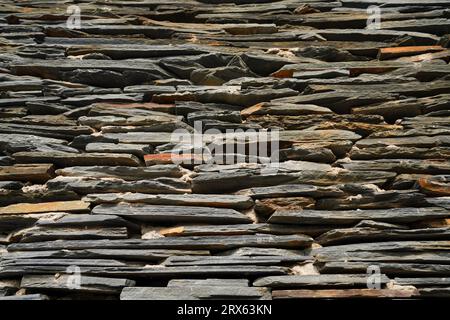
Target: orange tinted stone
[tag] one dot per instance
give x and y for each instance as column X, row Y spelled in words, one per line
column 283, row 74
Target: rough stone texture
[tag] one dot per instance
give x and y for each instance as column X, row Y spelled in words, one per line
column 171, row 214
column 345, row 293
column 26, row 208
column 195, row 293
column 34, row 173
column 339, row 217
column 318, row 281
column 239, row 149
column 87, row 284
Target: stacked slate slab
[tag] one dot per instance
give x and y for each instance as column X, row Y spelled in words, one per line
column 99, row 201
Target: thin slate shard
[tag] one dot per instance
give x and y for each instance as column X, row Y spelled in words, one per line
column 130, row 148
column 172, row 214
column 87, row 284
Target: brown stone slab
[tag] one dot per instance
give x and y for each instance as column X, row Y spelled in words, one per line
column 58, row 206
column 33, row 172
column 344, row 293
column 395, row 52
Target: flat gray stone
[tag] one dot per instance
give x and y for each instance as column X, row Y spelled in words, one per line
column 87, row 284
column 237, row 202
column 318, row 281
column 185, row 243
column 171, row 214
column 340, row 217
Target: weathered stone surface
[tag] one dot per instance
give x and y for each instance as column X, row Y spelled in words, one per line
column 229, row 95
column 95, row 285
column 389, row 246
column 150, row 138
column 241, row 229
column 93, row 72
column 157, row 120
column 41, row 233
column 202, row 243
column 9, row 287
column 384, row 256
column 26, row 297
column 64, row 159
column 339, row 148
column 218, row 142
column 155, row 255
column 127, row 110
column 307, row 154
column 290, row 136
column 319, row 281
column 359, row 123
column 266, row 207
column 14, row 142
column 194, row 293
column 208, row 282
column 406, row 181
column 158, row 272
column 398, row 269
column 393, row 110
column 417, row 141
column 27, row 208
column 375, row 200
column 80, row 142
column 379, row 225
column 233, row 180
column 84, row 220
column 6, row 161
column 229, row 260
column 257, row 251
column 400, row 166
column 51, row 131
column 443, row 202
column 395, row 152
column 413, row 89
column 347, row 293
column 237, row 202
column 218, row 182
column 35, row 195
column 15, row 222
column 293, row 190
column 135, row 149
column 435, row 186
column 87, row 185
column 173, row 158
column 352, row 235
column 225, row 116
column 423, row 282
column 34, row 173
column 171, row 214
column 340, row 102
column 435, row 292
column 283, row 109
column 389, row 53
column 123, row 172
column 62, row 262
column 398, row 215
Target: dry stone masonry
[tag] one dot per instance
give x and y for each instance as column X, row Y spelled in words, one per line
column 97, row 201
